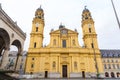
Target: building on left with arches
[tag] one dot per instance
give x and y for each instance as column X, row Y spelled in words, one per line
column 10, row 34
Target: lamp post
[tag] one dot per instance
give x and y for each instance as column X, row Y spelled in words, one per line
column 96, row 65
column 115, row 14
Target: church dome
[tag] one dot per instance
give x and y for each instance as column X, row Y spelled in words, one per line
column 39, row 12
column 39, row 9
column 61, row 26
column 85, row 10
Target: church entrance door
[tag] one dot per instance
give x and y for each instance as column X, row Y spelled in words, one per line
column 46, row 74
column 64, row 71
column 83, row 74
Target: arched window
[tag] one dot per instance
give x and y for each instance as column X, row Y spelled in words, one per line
column 32, row 65
column 35, row 45
column 36, row 29
column 64, row 43
column 54, row 42
column 54, row 64
column 89, row 30
column 117, row 74
column 73, row 42
column 92, row 45
column 106, row 74
column 112, row 75
column 75, row 64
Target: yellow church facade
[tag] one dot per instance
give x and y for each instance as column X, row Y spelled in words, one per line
column 64, row 57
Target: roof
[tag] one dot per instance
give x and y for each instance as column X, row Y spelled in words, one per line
column 39, row 9
column 110, row 53
column 85, row 9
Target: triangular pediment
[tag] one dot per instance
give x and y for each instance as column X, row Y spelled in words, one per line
column 68, row 31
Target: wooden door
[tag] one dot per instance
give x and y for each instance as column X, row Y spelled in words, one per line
column 46, row 74
column 64, row 71
column 83, row 74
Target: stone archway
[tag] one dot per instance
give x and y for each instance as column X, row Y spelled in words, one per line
column 4, row 39
column 112, row 75
column 10, row 34
column 106, row 74
column 4, row 46
column 17, row 43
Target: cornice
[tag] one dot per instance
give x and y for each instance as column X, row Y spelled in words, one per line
column 11, row 24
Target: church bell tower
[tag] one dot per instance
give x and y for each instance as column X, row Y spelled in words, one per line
column 36, row 39
column 89, row 33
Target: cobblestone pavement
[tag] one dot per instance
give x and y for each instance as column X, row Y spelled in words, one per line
column 71, row 79
column 60, row 79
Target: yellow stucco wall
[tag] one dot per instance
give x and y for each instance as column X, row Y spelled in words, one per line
column 76, row 58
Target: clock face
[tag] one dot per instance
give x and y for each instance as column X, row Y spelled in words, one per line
column 37, row 24
column 64, row 31
column 89, row 25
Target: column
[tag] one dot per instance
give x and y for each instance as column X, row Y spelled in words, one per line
column 4, row 61
column 18, row 61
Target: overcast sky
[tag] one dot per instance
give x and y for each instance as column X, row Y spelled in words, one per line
column 67, row 12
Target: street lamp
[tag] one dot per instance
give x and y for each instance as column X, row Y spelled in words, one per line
column 92, row 44
column 115, row 14
column 96, row 65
